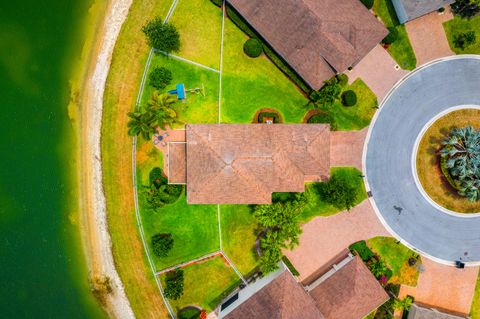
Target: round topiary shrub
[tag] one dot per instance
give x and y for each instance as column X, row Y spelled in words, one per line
column 342, row 79
column 368, row 3
column 253, row 48
column 349, row 98
column 391, row 37
column 160, row 77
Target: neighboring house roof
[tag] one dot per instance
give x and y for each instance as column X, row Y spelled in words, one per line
column 317, row 38
column 411, row 9
column 246, row 163
column 177, row 173
column 419, row 312
column 351, row 293
column 283, row 298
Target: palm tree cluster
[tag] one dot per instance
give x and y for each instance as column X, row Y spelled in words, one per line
column 461, row 150
column 158, row 113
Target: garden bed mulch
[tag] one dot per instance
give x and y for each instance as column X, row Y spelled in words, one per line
column 267, row 110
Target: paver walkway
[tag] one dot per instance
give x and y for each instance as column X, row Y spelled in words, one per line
column 177, row 135
column 444, row 287
column 428, row 37
column 346, row 148
column 324, row 237
column 378, row 70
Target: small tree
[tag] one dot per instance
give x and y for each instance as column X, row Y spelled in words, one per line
column 174, row 284
column 349, row 98
column 162, row 244
column 339, row 192
column 253, row 47
column 160, row 77
column 141, row 123
column 163, row 37
column 392, row 36
column 327, row 95
column 162, row 108
column 464, row 40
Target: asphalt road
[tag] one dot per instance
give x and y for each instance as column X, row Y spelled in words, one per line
column 388, row 160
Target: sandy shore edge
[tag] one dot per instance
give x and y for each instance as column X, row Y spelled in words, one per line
column 94, row 225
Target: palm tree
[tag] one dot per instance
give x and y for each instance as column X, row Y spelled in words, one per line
column 141, row 123
column 461, row 149
column 161, row 106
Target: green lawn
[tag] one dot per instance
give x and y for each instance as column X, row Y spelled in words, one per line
column 251, row 84
column 457, row 26
column 358, row 116
column 194, row 227
column 318, row 207
column 199, row 23
column 475, row 309
column 401, row 50
column 197, row 108
column 396, row 256
column 206, row 284
column 239, row 231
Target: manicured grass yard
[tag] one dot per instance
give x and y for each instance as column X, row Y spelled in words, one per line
column 197, row 108
column 428, row 162
column 252, row 84
column 457, row 26
column 396, row 256
column 239, row 232
column 317, row 207
column 475, row 309
column 200, row 26
column 193, row 227
column 401, row 50
column 206, row 284
column 360, row 115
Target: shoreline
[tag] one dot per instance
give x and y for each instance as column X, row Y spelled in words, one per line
column 95, row 237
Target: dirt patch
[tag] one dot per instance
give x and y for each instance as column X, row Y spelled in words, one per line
column 267, row 110
column 428, row 161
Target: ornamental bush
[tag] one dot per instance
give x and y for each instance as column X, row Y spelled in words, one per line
column 159, row 193
column 253, row 47
column 174, row 284
column 342, row 79
column 339, row 192
column 162, row 244
column 461, row 151
column 349, row 98
column 160, row 77
column 368, row 3
column 392, row 36
column 163, row 37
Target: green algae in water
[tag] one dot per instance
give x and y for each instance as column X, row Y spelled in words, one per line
column 43, row 271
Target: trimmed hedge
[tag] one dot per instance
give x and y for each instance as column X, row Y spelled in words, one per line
column 160, row 77
column 272, row 55
column 361, row 248
column 349, row 98
column 323, row 118
column 218, row 3
column 367, row 3
column 253, row 47
column 391, row 37
column 290, row 266
column 268, row 114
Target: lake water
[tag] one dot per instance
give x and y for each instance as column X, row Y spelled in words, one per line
column 42, row 269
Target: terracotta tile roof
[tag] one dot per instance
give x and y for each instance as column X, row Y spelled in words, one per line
column 318, row 38
column 351, row 293
column 245, row 163
column 283, row 298
column 177, row 173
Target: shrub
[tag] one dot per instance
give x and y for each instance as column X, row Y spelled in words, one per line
column 174, row 284
column 160, row 77
column 392, row 36
column 253, row 47
column 163, row 37
column 159, row 193
column 465, row 8
column 349, row 98
column 464, row 40
column 290, row 266
column 189, row 313
column 342, row 79
column 323, row 117
column 262, row 115
column 368, row 3
column 162, row 244
column 327, row 95
column 362, row 250
column 339, row 192
column 218, row 3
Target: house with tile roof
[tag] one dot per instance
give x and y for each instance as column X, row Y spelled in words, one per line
column 317, row 38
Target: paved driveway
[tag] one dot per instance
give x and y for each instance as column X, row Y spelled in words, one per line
column 377, row 69
column 428, row 37
column 422, row 95
column 346, row 148
column 323, row 238
column 444, row 287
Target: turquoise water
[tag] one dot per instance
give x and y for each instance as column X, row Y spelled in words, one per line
column 42, row 270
